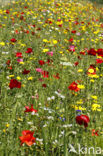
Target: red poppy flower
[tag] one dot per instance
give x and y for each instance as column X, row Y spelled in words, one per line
column 26, row 72
column 29, row 50
column 21, row 17
column 27, row 138
column 30, row 109
column 73, row 31
column 33, row 25
column 10, row 67
column 50, row 22
column 27, row 31
column 38, row 29
column 74, row 86
column 82, row 120
column 44, row 85
column 18, row 54
column 95, row 132
column 8, row 62
column 100, row 52
column 22, row 13
column 99, row 61
column 25, row 7
column 101, row 25
column 76, row 22
column 41, row 62
column 56, row 76
column 76, row 63
column 71, row 40
column 16, row 32
column 14, row 84
column 60, row 25
column 13, row 40
column 46, row 21
column 82, row 53
column 92, row 52
column 45, row 74
column 7, row 11
column 79, row 58
column 33, row 33
column 49, row 61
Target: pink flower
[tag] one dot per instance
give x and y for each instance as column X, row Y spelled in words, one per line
column 59, row 20
column 19, row 60
column 71, row 48
column 50, row 53
column 39, row 70
column 41, row 80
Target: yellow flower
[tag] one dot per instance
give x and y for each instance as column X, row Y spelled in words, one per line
column 84, row 27
column 23, row 45
column 94, row 97
column 2, row 43
column 45, row 40
column 78, row 107
column 11, row 75
column 81, row 86
column 5, row 17
column 3, row 25
column 59, row 22
column 81, row 108
column 97, row 69
column 45, row 50
column 93, row 76
column 61, row 114
column 91, row 80
column 7, row 125
column 57, row 107
column 32, row 58
column 54, row 41
column 61, row 52
column 30, row 78
column 96, row 32
column 99, row 56
column 65, row 32
column 91, row 71
column 80, row 101
column 96, row 107
column 21, row 62
column 80, row 70
column 4, row 130
column 18, row 78
column 20, row 119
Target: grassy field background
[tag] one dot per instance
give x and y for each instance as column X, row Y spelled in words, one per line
column 51, row 72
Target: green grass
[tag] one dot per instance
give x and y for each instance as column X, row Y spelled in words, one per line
column 97, row 1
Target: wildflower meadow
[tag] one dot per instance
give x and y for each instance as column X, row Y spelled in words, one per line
column 51, row 78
